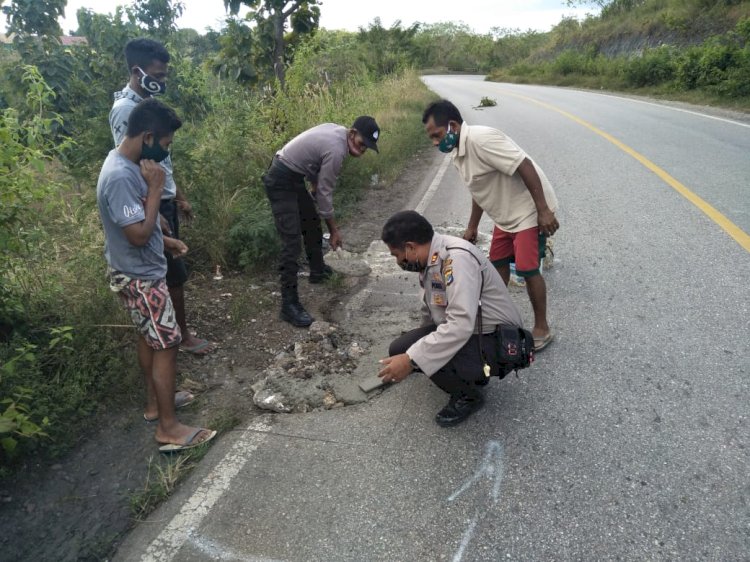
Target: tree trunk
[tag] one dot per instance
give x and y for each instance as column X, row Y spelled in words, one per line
column 278, row 47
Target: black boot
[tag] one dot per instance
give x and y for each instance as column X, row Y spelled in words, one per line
column 322, row 275
column 292, row 310
column 459, row 407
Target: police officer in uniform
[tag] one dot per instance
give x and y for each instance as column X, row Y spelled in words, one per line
column 316, row 155
column 455, row 278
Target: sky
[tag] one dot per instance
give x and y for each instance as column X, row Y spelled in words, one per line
column 480, row 15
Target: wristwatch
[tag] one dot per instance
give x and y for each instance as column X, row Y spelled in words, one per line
column 414, row 364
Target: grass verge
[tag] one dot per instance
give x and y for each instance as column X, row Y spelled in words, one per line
column 166, row 471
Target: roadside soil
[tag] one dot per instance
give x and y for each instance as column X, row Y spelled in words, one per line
column 80, row 507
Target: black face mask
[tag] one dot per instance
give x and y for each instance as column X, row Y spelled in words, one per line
column 411, row 266
column 154, row 152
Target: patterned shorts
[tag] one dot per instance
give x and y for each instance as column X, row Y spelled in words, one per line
column 150, row 309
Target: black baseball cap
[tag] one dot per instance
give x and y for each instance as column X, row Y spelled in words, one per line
column 368, row 128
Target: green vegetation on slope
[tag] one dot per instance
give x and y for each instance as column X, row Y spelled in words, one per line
column 697, row 50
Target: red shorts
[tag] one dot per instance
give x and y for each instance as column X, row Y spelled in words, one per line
column 152, row 312
column 525, row 248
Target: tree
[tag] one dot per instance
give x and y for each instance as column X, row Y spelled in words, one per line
column 388, row 50
column 513, row 46
column 325, row 59
column 454, row 46
column 158, row 16
column 598, row 3
column 271, row 18
column 34, row 17
column 235, row 58
column 607, row 5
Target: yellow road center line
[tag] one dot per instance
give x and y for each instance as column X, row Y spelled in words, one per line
column 742, row 238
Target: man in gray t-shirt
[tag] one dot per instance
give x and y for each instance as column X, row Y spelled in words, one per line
column 121, row 193
column 128, row 195
column 316, row 155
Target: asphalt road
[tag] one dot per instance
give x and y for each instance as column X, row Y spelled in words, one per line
column 627, row 440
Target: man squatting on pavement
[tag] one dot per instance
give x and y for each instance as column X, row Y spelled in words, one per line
column 512, row 189
column 128, row 195
column 316, row 154
column 455, row 278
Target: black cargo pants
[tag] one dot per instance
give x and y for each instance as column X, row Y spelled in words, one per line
column 465, row 370
column 177, row 273
column 295, row 216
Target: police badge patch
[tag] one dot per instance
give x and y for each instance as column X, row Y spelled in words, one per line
column 448, row 275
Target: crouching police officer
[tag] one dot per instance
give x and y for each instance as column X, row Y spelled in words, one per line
column 461, row 291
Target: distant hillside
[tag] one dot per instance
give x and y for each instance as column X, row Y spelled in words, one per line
column 697, row 50
column 630, row 26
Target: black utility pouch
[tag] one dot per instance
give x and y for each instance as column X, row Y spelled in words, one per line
column 515, row 348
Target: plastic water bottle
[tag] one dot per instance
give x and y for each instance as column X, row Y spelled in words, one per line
column 516, row 279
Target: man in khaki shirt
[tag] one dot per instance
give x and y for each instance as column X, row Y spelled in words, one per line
column 455, row 277
column 506, row 184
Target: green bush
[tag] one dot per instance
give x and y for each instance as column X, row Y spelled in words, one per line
column 715, row 60
column 229, row 152
column 56, row 366
column 654, row 67
column 522, row 69
column 721, row 64
column 737, row 80
column 569, row 62
column 688, row 72
column 26, row 149
column 16, row 417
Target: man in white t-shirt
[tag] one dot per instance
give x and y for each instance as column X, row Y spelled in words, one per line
column 506, row 184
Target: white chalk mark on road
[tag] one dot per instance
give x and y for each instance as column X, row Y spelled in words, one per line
column 187, row 521
column 491, row 467
column 466, row 538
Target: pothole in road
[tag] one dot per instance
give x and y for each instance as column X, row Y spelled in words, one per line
column 317, row 372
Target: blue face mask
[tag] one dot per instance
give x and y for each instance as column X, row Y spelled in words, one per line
column 449, row 141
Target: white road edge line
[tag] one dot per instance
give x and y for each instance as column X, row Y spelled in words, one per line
column 433, row 186
column 187, row 521
column 696, row 113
